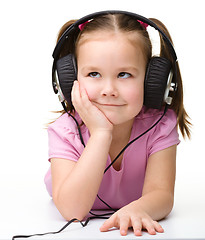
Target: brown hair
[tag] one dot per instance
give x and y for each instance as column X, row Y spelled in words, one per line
column 129, row 24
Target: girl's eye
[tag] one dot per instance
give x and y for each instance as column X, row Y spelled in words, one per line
column 94, row 75
column 124, row 75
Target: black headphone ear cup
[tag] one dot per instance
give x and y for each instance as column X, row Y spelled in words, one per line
column 67, row 74
column 155, row 82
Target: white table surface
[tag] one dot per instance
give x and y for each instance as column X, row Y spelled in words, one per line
column 27, row 209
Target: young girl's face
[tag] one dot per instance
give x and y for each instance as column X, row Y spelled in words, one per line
column 111, row 68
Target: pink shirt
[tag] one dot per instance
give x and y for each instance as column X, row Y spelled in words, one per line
column 118, row 188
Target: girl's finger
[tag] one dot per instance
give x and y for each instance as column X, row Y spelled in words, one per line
column 83, row 93
column 137, row 226
column 80, row 98
column 124, row 224
column 84, row 97
column 149, row 226
column 75, row 93
column 158, row 227
column 108, row 224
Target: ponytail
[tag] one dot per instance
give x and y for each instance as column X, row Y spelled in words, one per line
column 177, row 103
column 67, row 48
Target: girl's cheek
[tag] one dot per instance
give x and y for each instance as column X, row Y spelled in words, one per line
column 89, row 88
column 91, row 93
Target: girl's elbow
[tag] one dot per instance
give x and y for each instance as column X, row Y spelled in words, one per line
column 76, row 216
column 70, row 210
column 169, row 204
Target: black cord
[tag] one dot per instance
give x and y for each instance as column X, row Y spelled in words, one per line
column 135, row 139
column 64, row 227
column 78, row 126
column 99, row 216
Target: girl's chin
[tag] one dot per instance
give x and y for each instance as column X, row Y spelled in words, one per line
column 117, row 119
column 119, row 115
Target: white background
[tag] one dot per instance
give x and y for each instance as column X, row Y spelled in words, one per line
column 28, row 34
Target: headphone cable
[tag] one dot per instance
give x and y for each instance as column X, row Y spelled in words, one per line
column 98, row 216
column 129, row 143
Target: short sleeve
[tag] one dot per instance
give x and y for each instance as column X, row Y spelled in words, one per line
column 165, row 134
column 63, row 140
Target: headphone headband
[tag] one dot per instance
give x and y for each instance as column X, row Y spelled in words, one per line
column 160, row 77
column 75, row 25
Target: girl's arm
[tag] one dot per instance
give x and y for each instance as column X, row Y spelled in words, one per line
column 157, row 197
column 75, row 185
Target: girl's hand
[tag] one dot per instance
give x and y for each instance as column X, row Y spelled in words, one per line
column 93, row 118
column 132, row 216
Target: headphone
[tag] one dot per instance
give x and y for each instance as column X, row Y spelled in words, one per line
column 160, row 77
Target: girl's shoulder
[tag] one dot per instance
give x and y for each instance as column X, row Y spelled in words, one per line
column 147, row 113
column 148, row 117
column 164, row 134
column 65, row 124
column 63, row 138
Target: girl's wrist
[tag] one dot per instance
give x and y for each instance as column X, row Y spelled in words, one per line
column 102, row 135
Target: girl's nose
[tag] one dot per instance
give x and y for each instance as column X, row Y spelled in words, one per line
column 109, row 89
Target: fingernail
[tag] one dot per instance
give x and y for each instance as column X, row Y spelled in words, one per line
column 138, row 233
column 102, row 228
column 123, row 232
column 161, row 230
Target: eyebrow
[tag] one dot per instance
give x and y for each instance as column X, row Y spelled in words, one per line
column 90, row 68
column 121, row 69
column 128, row 68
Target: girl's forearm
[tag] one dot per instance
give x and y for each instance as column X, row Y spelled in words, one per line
column 157, row 204
column 78, row 192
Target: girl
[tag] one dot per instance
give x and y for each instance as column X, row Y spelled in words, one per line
column 112, row 53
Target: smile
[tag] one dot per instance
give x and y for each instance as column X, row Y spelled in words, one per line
column 109, row 104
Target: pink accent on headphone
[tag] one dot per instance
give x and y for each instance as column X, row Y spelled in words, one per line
column 82, row 25
column 145, row 25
